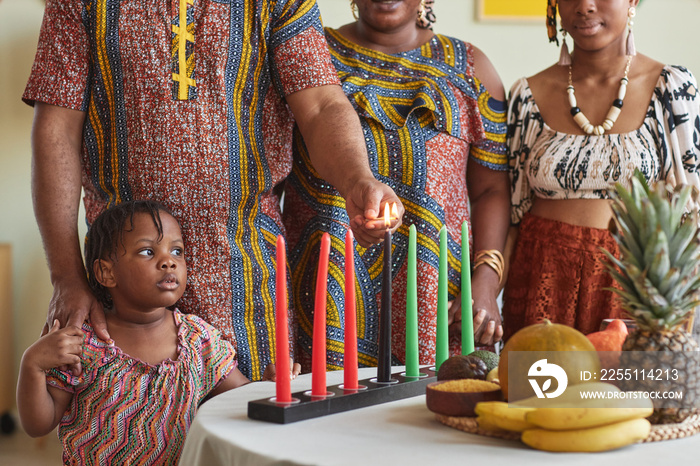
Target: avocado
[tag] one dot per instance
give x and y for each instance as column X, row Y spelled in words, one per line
column 462, row 367
column 489, row 357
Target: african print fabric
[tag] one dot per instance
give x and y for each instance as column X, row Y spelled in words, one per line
column 212, row 151
column 125, row 411
column 423, row 115
column 555, row 165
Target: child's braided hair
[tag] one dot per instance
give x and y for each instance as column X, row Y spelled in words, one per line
column 106, row 235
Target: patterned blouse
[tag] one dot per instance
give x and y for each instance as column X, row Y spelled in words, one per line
column 184, row 105
column 125, row 411
column 423, row 114
column 554, row 165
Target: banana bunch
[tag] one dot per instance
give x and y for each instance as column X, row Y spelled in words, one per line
column 498, row 415
column 592, row 439
column 574, row 425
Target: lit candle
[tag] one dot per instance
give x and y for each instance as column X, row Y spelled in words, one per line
column 350, row 355
column 411, row 307
column 394, row 212
column 284, row 392
column 318, row 352
column 384, row 361
column 467, row 316
column 441, row 337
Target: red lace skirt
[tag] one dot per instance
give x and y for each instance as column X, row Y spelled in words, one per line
column 558, row 272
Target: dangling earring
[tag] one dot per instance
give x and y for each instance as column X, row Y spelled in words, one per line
column 353, row 8
column 421, row 13
column 426, row 17
column 631, row 49
column 564, row 56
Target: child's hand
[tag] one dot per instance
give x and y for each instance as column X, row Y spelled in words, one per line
column 270, row 373
column 60, row 346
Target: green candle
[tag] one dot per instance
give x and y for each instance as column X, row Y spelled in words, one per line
column 411, row 308
column 467, row 316
column 441, row 338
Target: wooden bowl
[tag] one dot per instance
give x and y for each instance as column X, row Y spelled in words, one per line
column 458, row 397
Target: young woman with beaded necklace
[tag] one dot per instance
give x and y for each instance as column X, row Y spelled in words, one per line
column 574, row 130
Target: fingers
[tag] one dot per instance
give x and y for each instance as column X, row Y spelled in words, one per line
column 498, row 335
column 56, row 325
column 69, row 342
column 270, row 373
column 71, row 361
column 371, row 213
column 76, row 369
column 75, row 320
column 365, row 207
column 487, row 331
column 99, row 321
column 71, row 332
column 453, row 311
column 363, row 236
column 454, row 317
column 479, row 318
column 486, row 337
column 60, row 348
column 371, row 204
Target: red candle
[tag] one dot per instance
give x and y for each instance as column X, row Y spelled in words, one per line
column 318, row 352
column 350, row 355
column 284, row 391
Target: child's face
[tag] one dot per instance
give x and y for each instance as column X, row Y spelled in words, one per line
column 148, row 273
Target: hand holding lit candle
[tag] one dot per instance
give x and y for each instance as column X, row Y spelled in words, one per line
column 389, row 220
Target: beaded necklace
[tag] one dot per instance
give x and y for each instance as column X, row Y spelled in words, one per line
column 613, row 113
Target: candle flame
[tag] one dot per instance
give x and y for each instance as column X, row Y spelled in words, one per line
column 394, row 210
column 387, row 217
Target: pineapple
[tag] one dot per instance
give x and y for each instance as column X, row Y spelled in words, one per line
column 659, row 280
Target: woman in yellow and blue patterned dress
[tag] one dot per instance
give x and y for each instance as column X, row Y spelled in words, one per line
column 433, row 117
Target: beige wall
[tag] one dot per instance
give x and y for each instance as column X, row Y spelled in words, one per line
column 19, row 28
column 665, row 29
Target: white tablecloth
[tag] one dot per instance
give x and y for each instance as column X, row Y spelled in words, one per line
column 403, row 432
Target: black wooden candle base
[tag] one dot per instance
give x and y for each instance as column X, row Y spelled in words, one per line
column 309, row 407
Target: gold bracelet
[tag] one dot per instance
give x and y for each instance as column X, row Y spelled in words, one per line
column 493, row 264
column 491, row 257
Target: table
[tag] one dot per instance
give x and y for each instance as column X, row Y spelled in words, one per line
column 403, row 432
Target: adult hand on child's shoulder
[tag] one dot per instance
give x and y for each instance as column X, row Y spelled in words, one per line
column 72, row 304
column 59, row 347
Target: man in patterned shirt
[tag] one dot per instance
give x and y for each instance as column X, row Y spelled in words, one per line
column 190, row 103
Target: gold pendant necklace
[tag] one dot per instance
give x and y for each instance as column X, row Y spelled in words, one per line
column 613, row 113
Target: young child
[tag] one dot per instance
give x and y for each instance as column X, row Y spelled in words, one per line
column 137, row 394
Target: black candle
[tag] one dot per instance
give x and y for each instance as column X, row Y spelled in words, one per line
column 384, row 362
